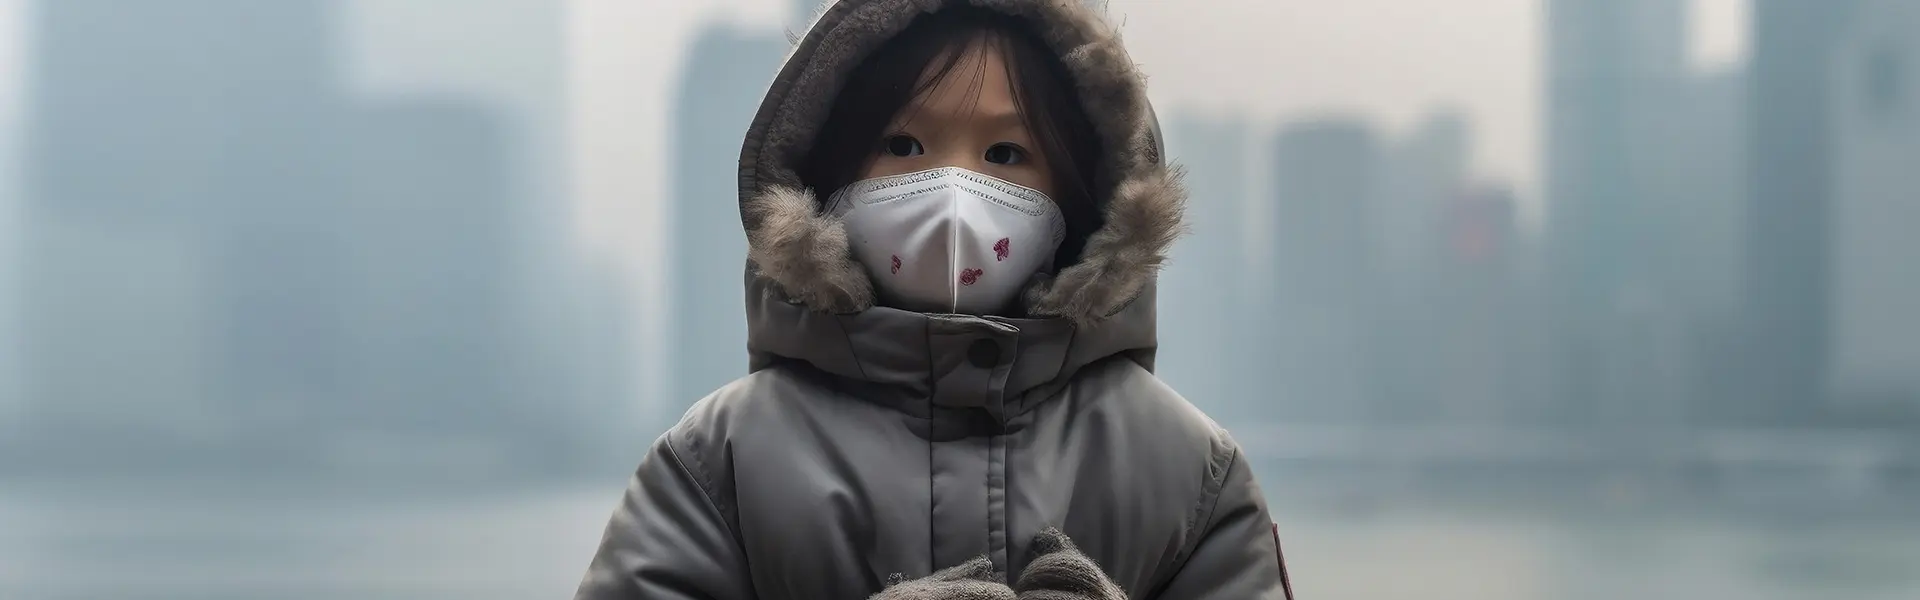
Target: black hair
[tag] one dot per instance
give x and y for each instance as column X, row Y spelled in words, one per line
column 890, row 78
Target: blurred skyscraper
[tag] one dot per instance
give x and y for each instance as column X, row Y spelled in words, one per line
column 179, row 162
column 726, row 73
column 434, row 340
column 1697, row 174
column 507, row 58
column 1316, row 332
column 1400, row 294
column 1610, row 67
column 273, row 268
column 609, row 379
column 1874, row 107
column 1207, row 351
column 1424, row 174
column 12, row 406
column 1406, row 219
column 1790, row 239
column 1475, row 314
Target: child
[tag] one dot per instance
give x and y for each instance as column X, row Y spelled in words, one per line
column 955, row 210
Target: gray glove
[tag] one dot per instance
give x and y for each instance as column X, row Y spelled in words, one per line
column 1058, row 571
column 972, row 580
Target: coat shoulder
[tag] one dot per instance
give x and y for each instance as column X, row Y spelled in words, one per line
column 1140, row 454
column 1149, row 409
column 1167, row 438
column 706, row 438
column 748, row 401
column 1150, row 429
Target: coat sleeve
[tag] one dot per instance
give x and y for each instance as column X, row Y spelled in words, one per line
column 668, row 540
column 1238, row 555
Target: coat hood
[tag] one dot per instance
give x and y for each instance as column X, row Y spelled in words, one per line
column 804, row 286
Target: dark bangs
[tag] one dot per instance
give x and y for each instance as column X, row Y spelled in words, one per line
column 890, row 78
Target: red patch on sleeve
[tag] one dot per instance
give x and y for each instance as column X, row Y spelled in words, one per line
column 1286, row 585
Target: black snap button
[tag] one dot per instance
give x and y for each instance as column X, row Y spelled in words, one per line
column 984, row 354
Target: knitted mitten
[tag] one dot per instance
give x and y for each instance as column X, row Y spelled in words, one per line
column 972, row 580
column 1058, row 571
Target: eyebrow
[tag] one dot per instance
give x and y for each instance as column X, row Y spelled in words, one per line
column 1003, row 120
column 1006, row 119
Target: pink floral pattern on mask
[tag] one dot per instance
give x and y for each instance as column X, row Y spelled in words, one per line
column 970, row 276
column 1002, row 249
column 896, row 264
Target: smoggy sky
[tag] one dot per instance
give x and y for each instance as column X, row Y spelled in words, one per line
column 1268, row 60
column 1388, row 60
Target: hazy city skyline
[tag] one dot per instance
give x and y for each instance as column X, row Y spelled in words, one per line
column 615, row 70
column 1385, row 61
column 305, row 247
column 608, row 93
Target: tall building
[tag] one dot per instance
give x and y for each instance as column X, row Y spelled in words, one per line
column 177, row 294
column 426, row 294
column 1202, row 292
column 608, row 375
column 726, row 73
column 1405, row 223
column 506, row 59
column 1530, row 380
column 1698, row 170
column 1874, row 112
column 1316, row 332
column 274, row 269
column 1791, row 172
column 12, row 393
column 1423, row 175
column 1699, row 177
column 1473, row 308
column 1610, row 65
column 12, row 403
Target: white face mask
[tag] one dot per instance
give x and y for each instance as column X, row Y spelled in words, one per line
column 949, row 240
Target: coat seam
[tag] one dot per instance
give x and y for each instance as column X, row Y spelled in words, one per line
column 852, row 349
column 701, row 479
column 932, row 381
column 704, row 481
column 997, row 501
column 1205, row 508
column 1219, row 487
column 933, row 491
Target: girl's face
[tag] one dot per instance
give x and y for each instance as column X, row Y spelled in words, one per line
column 969, row 120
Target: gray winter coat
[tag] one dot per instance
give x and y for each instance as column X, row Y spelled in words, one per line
column 868, row 443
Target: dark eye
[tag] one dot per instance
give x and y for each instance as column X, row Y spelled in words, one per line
column 903, row 145
column 1006, row 154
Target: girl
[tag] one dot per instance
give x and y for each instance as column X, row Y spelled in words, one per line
column 954, row 211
